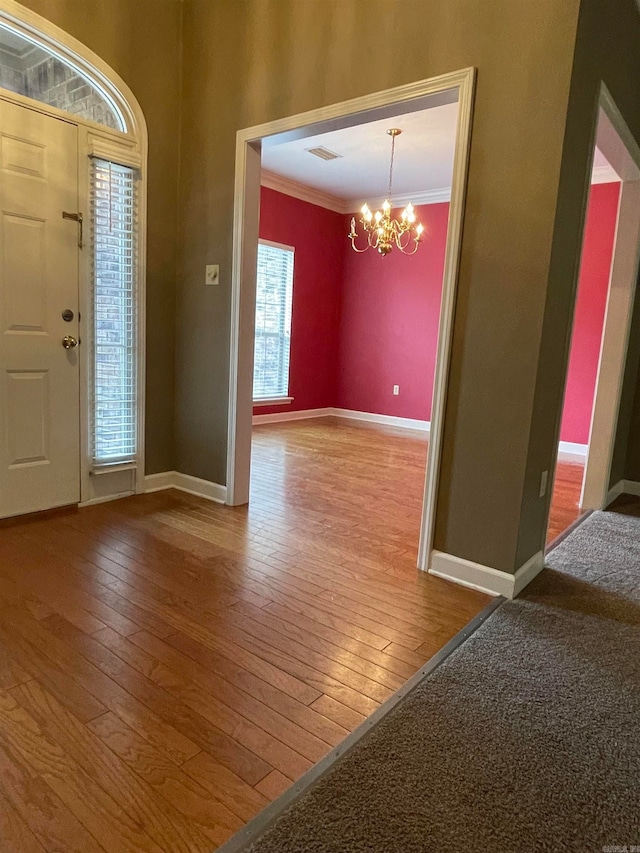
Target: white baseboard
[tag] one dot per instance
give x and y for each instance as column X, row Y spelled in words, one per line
column 303, row 415
column 186, row 483
column 614, row 492
column 158, row 482
column 386, row 420
column 106, row 499
column 569, row 451
column 631, row 487
column 484, row 578
column 349, row 414
column 622, row 487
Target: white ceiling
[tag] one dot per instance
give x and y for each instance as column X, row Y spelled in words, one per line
column 423, row 161
column 423, row 158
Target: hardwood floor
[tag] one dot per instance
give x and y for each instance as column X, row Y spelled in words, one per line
column 168, row 665
column 566, row 496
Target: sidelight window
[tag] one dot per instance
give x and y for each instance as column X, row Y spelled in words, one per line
column 113, row 409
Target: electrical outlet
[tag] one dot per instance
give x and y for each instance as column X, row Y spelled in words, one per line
column 212, row 274
column 396, row 390
column 544, row 479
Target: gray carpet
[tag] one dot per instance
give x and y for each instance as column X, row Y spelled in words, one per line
column 527, row 738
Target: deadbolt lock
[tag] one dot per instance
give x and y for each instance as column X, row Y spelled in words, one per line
column 67, row 315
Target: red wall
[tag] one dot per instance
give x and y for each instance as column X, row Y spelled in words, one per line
column 363, row 323
column 590, row 309
column 389, row 324
column 316, row 235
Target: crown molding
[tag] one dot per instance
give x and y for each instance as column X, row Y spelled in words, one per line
column 420, row 197
column 340, row 205
column 304, row 193
column 604, row 175
column 601, row 175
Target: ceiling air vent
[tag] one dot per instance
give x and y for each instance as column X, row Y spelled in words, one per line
column 323, row 153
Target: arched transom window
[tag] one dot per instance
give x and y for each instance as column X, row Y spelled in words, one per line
column 28, row 69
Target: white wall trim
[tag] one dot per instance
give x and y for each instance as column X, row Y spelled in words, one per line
column 348, row 414
column 289, row 187
column 421, row 197
column 623, row 487
column 245, row 237
column 613, row 493
column 158, row 482
column 302, row 415
column 387, row 420
column 201, row 488
column 620, row 148
column 296, row 190
column 274, row 401
column 569, row 451
column 107, row 499
column 484, row 578
column 185, row 483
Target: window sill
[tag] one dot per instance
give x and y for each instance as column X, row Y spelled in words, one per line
column 274, row 401
column 109, row 467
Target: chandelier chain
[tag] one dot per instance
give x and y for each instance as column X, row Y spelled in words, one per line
column 393, row 147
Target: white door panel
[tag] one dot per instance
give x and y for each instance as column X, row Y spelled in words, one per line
column 39, row 382
column 28, row 417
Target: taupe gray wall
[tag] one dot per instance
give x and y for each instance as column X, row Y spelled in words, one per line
column 275, row 58
column 141, row 40
column 523, row 220
column 625, row 464
column 608, row 49
column 630, row 439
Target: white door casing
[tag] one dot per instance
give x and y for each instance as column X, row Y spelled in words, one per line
column 458, row 86
column 39, row 387
column 619, row 147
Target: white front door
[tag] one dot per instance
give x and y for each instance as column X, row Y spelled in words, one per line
column 39, row 378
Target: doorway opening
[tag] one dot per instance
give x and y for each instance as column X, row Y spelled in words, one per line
column 345, row 341
column 601, row 326
column 387, row 108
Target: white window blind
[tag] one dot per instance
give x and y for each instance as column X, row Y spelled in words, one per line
column 113, row 427
column 274, row 293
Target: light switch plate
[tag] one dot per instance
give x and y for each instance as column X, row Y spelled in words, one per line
column 212, row 274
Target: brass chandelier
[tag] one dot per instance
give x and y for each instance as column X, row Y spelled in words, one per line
column 382, row 231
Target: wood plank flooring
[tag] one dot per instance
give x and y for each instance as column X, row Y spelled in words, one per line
column 168, row 666
column 566, row 496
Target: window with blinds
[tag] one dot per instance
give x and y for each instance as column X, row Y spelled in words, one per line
column 274, row 293
column 113, row 410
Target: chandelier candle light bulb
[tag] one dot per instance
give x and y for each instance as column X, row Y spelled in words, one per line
column 385, row 232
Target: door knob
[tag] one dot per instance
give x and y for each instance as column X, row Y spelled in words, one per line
column 69, row 342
